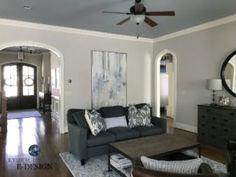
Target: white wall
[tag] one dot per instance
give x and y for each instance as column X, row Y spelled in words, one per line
column 55, row 63
column 199, row 57
column 76, row 50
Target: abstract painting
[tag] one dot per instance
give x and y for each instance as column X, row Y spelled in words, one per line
column 109, row 81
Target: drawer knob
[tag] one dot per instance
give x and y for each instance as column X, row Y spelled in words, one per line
column 226, row 120
column 232, row 114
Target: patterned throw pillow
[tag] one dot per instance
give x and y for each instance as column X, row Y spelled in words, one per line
column 95, row 121
column 139, row 117
column 181, row 166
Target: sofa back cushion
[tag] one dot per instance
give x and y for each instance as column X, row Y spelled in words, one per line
column 112, row 111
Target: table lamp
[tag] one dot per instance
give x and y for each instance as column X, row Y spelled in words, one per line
column 214, row 85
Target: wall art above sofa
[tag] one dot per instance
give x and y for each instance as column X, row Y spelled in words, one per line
column 109, row 80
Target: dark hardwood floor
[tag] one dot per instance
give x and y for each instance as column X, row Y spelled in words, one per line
column 28, row 131
column 44, row 131
column 206, row 150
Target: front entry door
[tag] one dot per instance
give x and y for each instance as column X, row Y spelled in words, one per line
column 19, row 84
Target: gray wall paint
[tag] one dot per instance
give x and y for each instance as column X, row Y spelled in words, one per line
column 76, row 50
column 199, row 57
column 34, row 59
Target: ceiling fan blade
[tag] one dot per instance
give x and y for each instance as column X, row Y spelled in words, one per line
column 108, row 12
column 150, row 22
column 123, row 21
column 161, row 13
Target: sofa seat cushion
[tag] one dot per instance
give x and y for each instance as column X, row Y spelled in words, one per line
column 101, row 138
column 123, row 133
column 147, row 131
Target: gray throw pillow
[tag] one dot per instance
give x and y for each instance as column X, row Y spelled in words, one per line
column 139, row 117
column 115, row 122
column 181, row 166
column 95, row 121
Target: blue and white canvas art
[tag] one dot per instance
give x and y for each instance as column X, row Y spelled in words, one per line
column 109, row 80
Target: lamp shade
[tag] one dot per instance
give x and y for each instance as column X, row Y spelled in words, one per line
column 214, row 84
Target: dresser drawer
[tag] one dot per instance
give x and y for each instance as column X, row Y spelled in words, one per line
column 228, row 121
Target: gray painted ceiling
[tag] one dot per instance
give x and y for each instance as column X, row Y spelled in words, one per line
column 87, row 14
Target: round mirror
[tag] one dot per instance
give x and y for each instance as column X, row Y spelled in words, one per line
column 228, row 74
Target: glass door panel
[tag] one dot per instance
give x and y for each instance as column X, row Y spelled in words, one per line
column 28, row 80
column 10, row 81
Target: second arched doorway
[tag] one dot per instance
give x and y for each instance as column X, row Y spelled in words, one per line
column 165, row 84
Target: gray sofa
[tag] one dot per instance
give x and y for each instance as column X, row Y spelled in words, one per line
column 84, row 145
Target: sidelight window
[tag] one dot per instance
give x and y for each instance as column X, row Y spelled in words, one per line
column 10, row 79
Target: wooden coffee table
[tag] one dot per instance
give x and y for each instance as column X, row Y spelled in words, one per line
column 158, row 145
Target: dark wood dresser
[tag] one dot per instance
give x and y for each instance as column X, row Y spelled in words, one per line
column 216, row 124
column 45, row 101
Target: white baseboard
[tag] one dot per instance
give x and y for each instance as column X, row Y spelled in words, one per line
column 186, row 127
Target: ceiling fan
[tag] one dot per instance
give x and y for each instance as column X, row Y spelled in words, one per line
column 138, row 14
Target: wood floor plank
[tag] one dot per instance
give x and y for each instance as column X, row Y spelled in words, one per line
column 27, row 131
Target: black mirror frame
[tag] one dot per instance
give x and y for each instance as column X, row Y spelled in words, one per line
column 222, row 73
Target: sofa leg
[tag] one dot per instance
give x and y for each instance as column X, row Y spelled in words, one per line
column 82, row 162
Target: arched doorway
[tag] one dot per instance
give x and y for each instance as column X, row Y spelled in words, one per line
column 60, row 56
column 171, row 87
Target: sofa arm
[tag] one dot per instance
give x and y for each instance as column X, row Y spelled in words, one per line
column 78, row 141
column 160, row 122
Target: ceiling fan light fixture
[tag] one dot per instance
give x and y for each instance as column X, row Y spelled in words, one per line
column 138, row 18
column 20, row 54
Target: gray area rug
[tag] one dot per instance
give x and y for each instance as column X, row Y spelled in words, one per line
column 23, row 114
column 97, row 166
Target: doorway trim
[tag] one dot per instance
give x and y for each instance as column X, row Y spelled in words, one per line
column 60, row 56
column 157, row 81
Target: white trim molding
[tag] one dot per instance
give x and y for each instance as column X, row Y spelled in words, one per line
column 45, row 27
column 186, row 127
column 197, row 28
